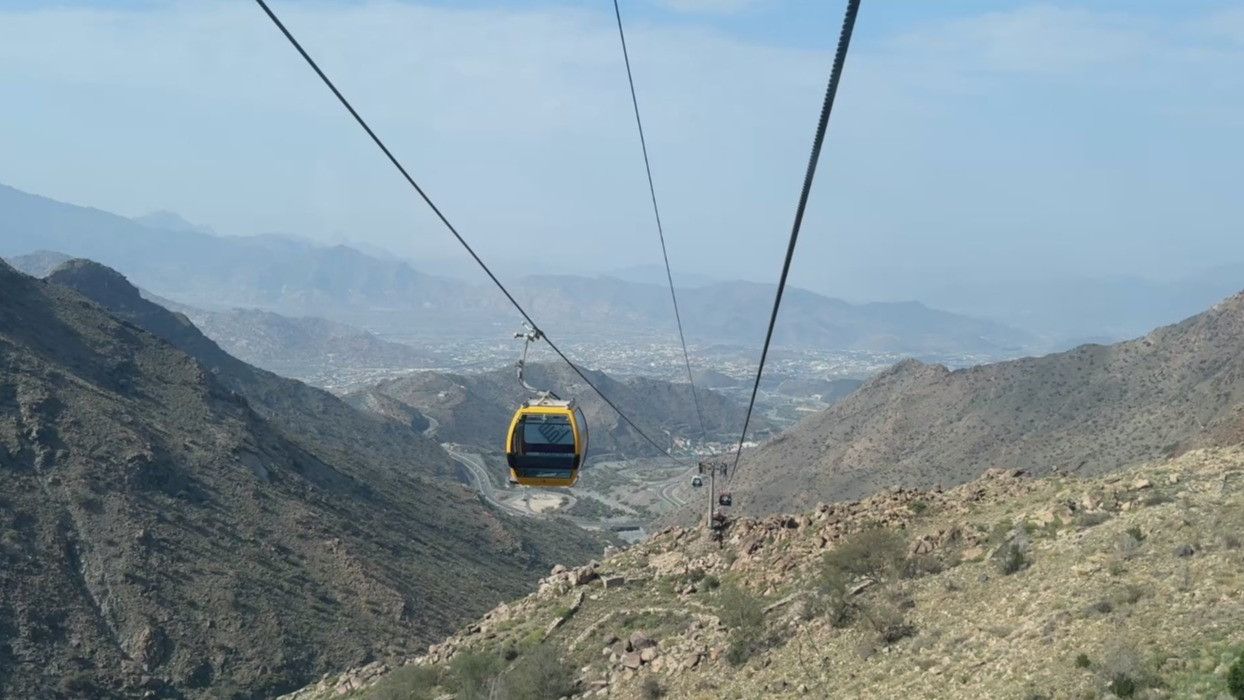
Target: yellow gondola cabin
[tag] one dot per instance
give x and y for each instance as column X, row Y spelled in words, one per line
column 546, row 443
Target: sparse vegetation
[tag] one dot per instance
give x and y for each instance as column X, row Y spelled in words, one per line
column 869, row 559
column 744, row 617
column 768, row 622
column 1012, row 559
column 1235, row 678
column 539, row 674
column 1124, row 670
column 410, row 682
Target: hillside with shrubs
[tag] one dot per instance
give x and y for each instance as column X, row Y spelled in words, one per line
column 1129, row 585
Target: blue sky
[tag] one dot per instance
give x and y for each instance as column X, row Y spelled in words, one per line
column 971, row 140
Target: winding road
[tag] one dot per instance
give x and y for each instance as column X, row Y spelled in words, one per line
column 480, row 481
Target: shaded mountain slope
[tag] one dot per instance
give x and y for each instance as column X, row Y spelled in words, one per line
column 475, row 409
column 157, row 534
column 1088, row 410
column 311, row 415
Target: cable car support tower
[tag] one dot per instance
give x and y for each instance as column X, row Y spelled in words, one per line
column 716, row 519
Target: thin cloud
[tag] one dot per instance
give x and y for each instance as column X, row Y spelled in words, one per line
column 518, row 123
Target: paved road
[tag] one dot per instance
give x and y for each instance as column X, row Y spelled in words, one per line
column 480, row 481
column 477, row 472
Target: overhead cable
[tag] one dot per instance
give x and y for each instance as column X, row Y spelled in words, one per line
column 844, row 41
column 392, row 159
column 656, row 211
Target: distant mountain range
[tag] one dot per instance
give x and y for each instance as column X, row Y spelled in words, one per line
column 1088, row 410
column 39, row 264
column 178, row 524
column 293, row 277
column 304, row 347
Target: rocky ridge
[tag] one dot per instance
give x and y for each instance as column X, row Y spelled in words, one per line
column 1010, row 586
column 161, row 536
column 1089, row 411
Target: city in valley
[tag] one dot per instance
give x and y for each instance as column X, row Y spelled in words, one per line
column 625, row 495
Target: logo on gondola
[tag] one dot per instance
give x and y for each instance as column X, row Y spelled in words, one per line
column 553, row 433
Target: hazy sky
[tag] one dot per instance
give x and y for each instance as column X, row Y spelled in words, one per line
column 971, row 138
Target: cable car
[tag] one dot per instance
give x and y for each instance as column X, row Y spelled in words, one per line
column 724, row 499
column 546, row 443
column 696, row 481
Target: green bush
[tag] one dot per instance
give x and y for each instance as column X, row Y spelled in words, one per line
column 875, row 554
column 1235, row 678
column 473, row 675
column 1012, row 559
column 539, row 674
column 652, row 689
column 1122, row 685
column 744, row 617
column 410, row 682
column 79, row 684
column 1082, row 661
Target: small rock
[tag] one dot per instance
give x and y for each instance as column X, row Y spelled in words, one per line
column 1172, row 479
column 1184, row 550
column 982, row 577
column 633, row 660
column 1142, row 484
column 647, row 655
column 691, row 660
column 558, row 569
column 639, row 641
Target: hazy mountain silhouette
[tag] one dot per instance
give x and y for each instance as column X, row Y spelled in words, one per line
column 294, row 277
column 38, row 263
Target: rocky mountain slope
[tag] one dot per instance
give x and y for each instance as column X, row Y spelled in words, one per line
column 475, row 409
column 312, row 415
column 307, row 348
column 163, row 536
column 1005, row 587
column 1088, row 410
